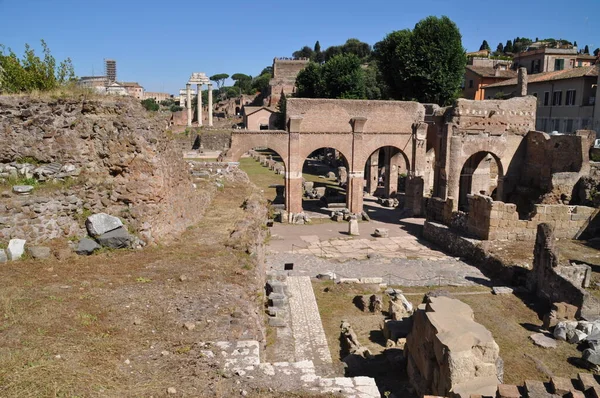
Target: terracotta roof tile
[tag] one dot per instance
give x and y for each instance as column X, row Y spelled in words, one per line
column 555, row 75
column 488, row 71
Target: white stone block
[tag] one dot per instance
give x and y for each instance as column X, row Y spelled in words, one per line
column 16, row 248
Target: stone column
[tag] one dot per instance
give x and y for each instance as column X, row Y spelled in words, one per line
column 391, row 172
column 373, row 172
column 293, row 173
column 522, row 82
column 199, row 94
column 354, row 192
column 188, row 94
column 210, row 105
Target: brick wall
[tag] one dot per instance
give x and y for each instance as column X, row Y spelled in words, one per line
column 490, row 220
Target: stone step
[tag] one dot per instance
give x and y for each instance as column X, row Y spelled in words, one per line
column 561, row 385
column 587, row 381
column 243, row 359
column 537, row 389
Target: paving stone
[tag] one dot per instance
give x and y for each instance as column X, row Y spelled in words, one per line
column 542, row 340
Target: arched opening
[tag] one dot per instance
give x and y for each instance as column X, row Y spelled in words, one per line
column 481, row 173
column 266, row 169
column 386, row 171
column 237, row 111
column 325, row 177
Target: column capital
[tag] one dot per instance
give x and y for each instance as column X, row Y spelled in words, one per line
column 358, row 124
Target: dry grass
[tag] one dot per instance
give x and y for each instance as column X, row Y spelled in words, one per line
column 508, row 317
column 511, row 322
column 68, row 328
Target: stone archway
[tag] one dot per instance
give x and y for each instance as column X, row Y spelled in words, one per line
column 385, row 166
column 481, row 173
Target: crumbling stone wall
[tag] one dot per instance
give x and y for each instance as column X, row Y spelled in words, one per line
column 556, row 282
column 554, row 164
column 449, row 354
column 128, row 167
column 491, row 220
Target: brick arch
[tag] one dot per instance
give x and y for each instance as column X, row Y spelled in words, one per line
column 372, row 142
column 242, row 143
column 341, row 143
column 467, row 172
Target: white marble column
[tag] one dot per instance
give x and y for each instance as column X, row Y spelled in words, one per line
column 189, row 104
column 199, row 94
column 210, row 105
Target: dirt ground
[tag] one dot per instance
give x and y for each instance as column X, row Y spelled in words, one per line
column 112, row 324
column 521, row 253
column 510, row 318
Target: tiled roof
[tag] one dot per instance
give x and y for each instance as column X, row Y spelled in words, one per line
column 488, row 71
column 555, row 75
column 249, row 110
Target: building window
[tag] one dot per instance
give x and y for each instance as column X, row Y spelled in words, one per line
column 557, row 98
column 569, row 126
column 570, row 100
column 559, row 64
column 586, row 124
column 555, row 124
column 546, row 98
column 470, row 83
column 579, row 63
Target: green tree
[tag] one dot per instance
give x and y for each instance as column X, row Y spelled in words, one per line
column 243, row 82
column 344, row 77
column 281, row 109
column 261, row 83
column 219, row 79
column 304, row 52
column 426, row 64
column 586, row 50
column 596, row 52
column 508, row 47
column 500, row 48
column 374, row 87
column 318, row 55
column 485, row 46
column 31, row 72
column 150, row 104
column 309, row 82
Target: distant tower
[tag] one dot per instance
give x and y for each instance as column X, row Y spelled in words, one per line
column 110, row 70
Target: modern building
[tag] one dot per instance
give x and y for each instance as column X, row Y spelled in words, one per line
column 546, row 59
column 115, row 88
column 260, row 118
column 567, row 100
column 158, row 97
column 97, row 83
column 478, row 77
column 134, row 89
column 110, row 70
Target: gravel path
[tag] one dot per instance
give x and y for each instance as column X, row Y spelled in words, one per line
column 394, row 271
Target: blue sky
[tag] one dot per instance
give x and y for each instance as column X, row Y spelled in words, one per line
column 160, row 43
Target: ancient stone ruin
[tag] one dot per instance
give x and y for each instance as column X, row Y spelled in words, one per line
column 449, row 354
column 86, row 156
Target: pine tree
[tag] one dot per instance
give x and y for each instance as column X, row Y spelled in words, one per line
column 586, row 50
column 318, row 55
column 575, row 44
column 484, row 46
column 508, row 48
column 500, row 48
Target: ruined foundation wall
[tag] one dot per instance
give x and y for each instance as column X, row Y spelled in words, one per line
column 126, row 166
column 556, row 282
column 555, row 163
column 448, row 353
column 491, row 220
